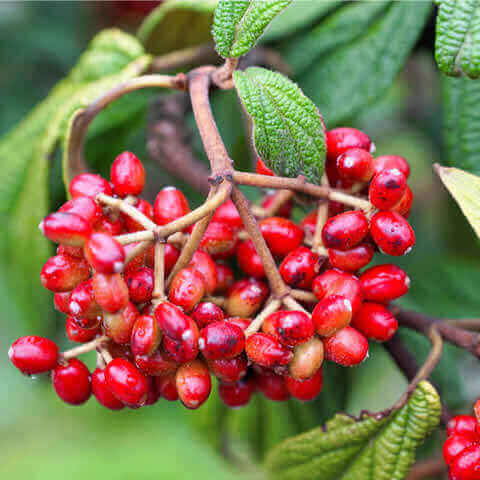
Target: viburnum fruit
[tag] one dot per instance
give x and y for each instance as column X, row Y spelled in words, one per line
column 72, row 382
column 32, row 354
column 127, row 175
column 345, row 231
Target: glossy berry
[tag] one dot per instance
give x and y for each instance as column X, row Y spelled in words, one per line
column 127, row 175
column 375, row 322
column 167, row 386
column 82, row 302
column 89, row 185
column 225, row 278
column 102, row 392
column 221, row 340
column 331, row 315
column 109, row 226
column 153, row 395
column 118, row 326
column 404, row 205
column 289, row 327
column 384, row 283
column 263, row 169
column 284, row 211
column 143, row 207
column 172, row 321
column 229, row 370
column 392, row 233
column 347, row 347
column 461, row 425
column 456, row 444
column 305, row 390
column 85, row 322
column 75, row 333
column 243, row 323
column 249, row 260
column 62, row 273
column 169, row 205
column 84, row 207
column 299, row 268
column 67, row 228
column 335, row 282
column 236, row 394
column 203, row 263
column 339, row 140
column 111, row 291
column 187, row 288
column 126, row 382
column 60, row 302
column 307, row 359
column 309, row 223
column 218, row 239
column 76, row 252
column 353, row 259
column 246, row 297
column 345, row 231
column 267, row 351
column 171, row 256
column 32, row 354
column 72, row 382
column 387, row 188
column 104, row 253
column 156, row 364
column 282, row 235
column 272, row 386
column 140, row 285
column 193, row 384
column 355, row 164
column 146, row 335
column 227, row 213
column 206, row 313
column 466, row 465
column 186, row 349
column 385, row 162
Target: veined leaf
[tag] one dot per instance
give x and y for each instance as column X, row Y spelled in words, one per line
column 289, row 131
column 238, row 24
column 457, row 41
column 177, row 24
column 373, row 447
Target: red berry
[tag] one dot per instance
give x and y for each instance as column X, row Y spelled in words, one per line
column 193, row 384
column 186, row 349
column 339, row 140
column 89, row 185
column 111, row 291
column 171, row 256
column 126, row 382
column 187, row 288
column 461, row 425
column 140, row 285
column 72, row 382
column 307, row 359
column 156, row 364
column 282, row 235
column 60, row 302
column 263, row 169
column 384, row 283
column 78, row 334
column 267, row 351
column 127, row 175
column 102, row 391
column 83, row 322
column 143, row 207
column 118, row 326
column 62, row 273
column 375, row 322
column 455, row 445
column 284, row 211
column 299, row 268
column 32, row 354
column 272, row 386
column 348, row 347
column 404, row 205
column 289, row 327
column 355, row 164
column 246, row 297
column 221, row 340
column 203, row 263
column 106, row 225
column 120, row 351
column 169, row 205
column 76, row 252
column 205, row 313
column 249, row 260
column 227, row 213
column 218, row 239
column 229, row 370
column 153, row 394
column 351, row 260
column 345, row 231
column 236, row 394
column 82, row 302
column 84, row 207
column 167, row 386
column 334, row 282
column 331, row 315
column 309, row 223
column 387, row 188
column 146, row 335
column 225, row 278
column 305, row 390
column 392, row 233
column 243, row 323
column 172, row 321
column 476, row 409
column 466, row 465
column 391, row 161
column 104, row 253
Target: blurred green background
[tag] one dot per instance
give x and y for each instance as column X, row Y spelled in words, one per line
column 41, row 437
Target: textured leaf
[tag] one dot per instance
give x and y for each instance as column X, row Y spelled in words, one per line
column 373, row 447
column 238, row 24
column 349, row 78
column 289, row 133
column 457, row 41
column 177, row 24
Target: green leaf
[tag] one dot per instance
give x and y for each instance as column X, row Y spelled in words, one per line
column 373, row 447
column 461, row 97
column 289, row 132
column 346, row 80
column 238, row 24
column 177, row 24
column 457, row 41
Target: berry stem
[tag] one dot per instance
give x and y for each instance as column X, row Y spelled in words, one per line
column 137, row 250
column 100, row 360
column 142, row 236
column 158, row 293
column 280, row 199
column 107, row 357
column 271, row 307
column 187, row 56
column 222, row 77
column 84, row 348
column 322, row 217
column 292, row 304
column 304, row 296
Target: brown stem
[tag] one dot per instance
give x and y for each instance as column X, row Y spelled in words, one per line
column 256, row 324
column 427, row 468
column 158, row 293
column 84, row 348
column 304, row 296
column 280, row 199
column 137, row 250
column 292, row 304
column 322, row 217
column 134, row 237
column 203, row 54
column 105, row 354
column 222, row 77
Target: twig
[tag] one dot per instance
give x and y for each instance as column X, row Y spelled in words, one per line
column 158, row 293
column 279, row 200
column 322, row 217
column 427, row 468
column 84, row 348
column 203, row 54
column 137, row 250
column 256, row 324
column 222, row 77
column 292, row 304
column 134, row 237
column 304, row 296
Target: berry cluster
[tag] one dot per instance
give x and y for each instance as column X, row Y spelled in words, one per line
column 161, row 329
column 461, row 450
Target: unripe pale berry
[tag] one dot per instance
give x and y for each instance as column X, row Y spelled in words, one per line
column 345, row 231
column 305, row 390
column 104, row 253
column 62, row 273
column 72, row 382
column 289, row 327
column 187, row 288
column 387, row 188
column 249, row 260
column 111, row 291
column 331, row 315
column 392, row 233
column 375, row 322
column 347, row 347
column 282, row 235
column 127, row 175
column 246, row 297
column 307, row 359
column 169, row 205
column 118, row 326
column 299, row 268
column 221, row 340
column 384, row 283
column 33, row 354
column 193, row 383
column 89, row 185
column 126, row 382
column 102, row 392
column 267, row 351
